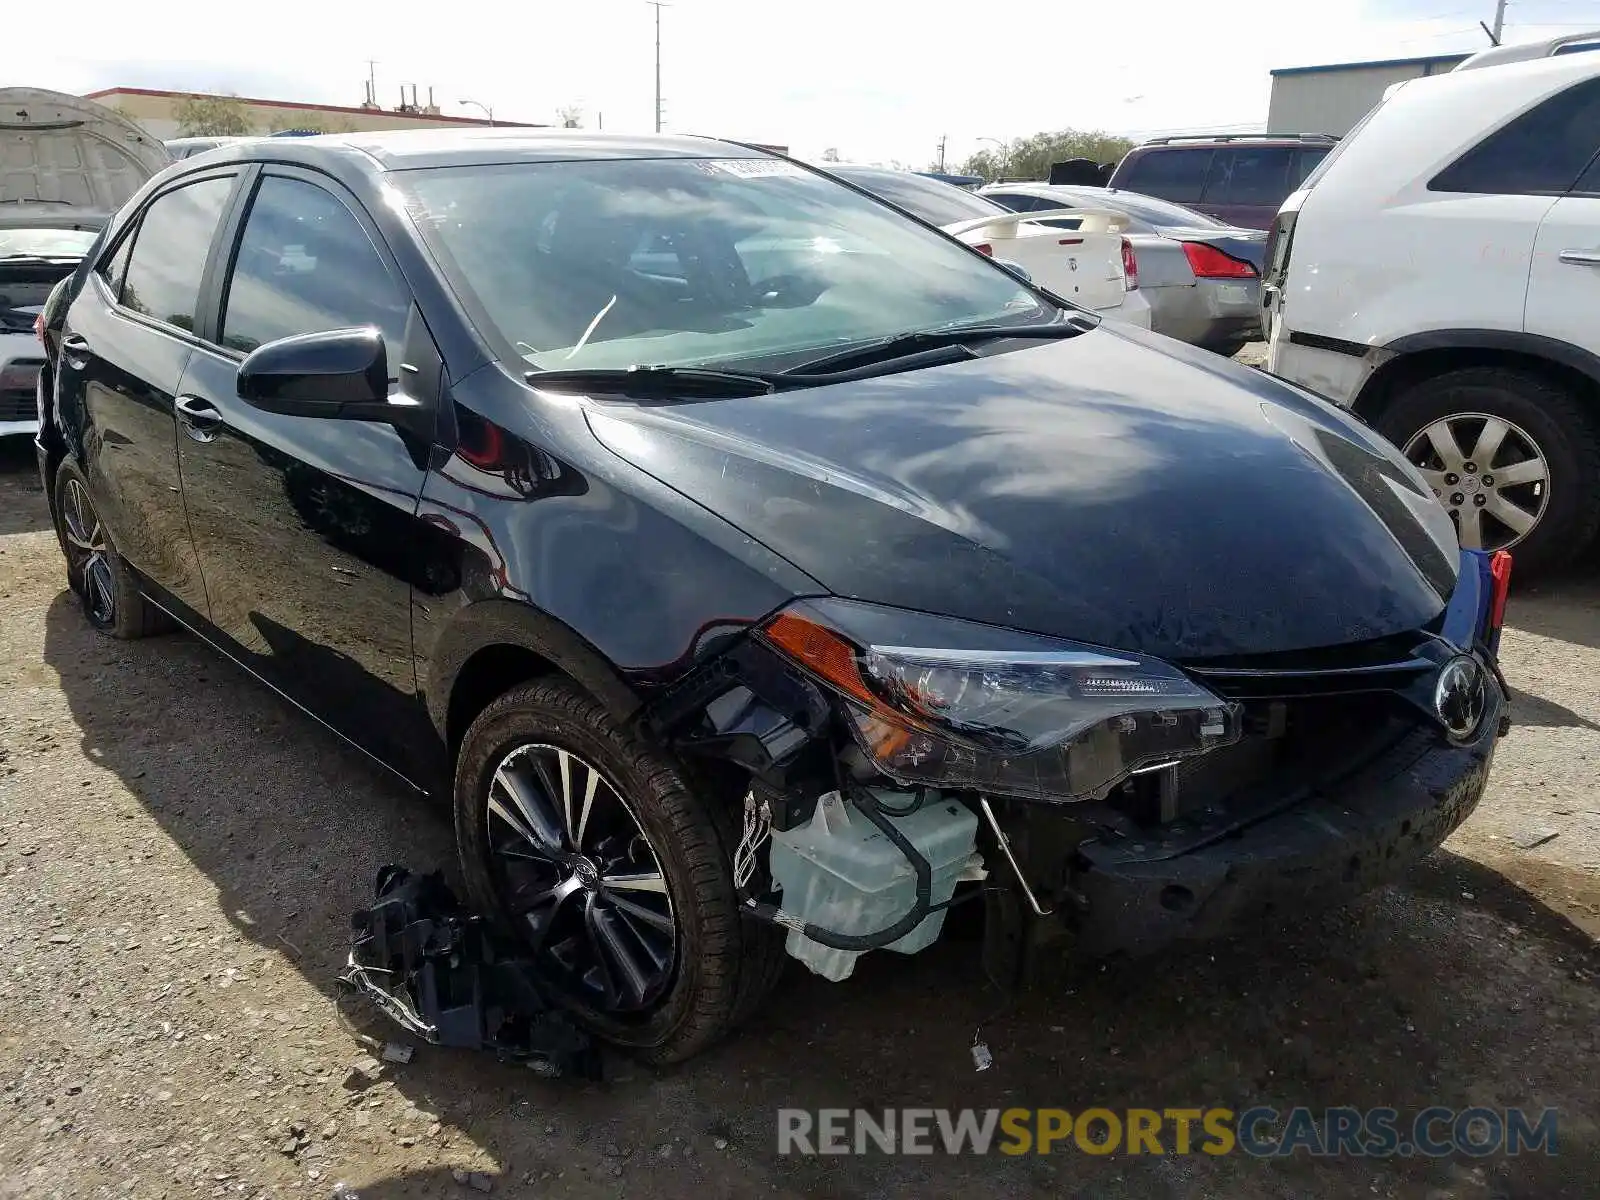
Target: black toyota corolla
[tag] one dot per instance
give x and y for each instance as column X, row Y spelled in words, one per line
column 761, row 570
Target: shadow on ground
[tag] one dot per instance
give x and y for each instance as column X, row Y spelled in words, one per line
column 1456, row 989
column 22, row 507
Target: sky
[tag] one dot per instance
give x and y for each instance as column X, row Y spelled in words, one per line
column 876, row 80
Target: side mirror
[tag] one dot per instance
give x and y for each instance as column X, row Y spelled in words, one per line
column 1016, row 268
column 318, row 375
column 340, row 375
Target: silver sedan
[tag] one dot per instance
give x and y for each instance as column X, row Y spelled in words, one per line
column 1201, row 277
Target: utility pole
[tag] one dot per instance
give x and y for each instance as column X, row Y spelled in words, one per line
column 942, row 138
column 658, row 5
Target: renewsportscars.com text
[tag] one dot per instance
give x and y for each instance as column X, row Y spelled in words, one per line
column 1259, row 1132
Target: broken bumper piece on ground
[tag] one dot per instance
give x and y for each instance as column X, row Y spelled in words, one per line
column 443, row 974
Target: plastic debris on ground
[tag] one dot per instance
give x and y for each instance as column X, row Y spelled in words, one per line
column 445, row 976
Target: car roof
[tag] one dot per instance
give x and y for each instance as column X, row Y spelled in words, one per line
column 1207, row 140
column 413, row 149
column 1568, row 43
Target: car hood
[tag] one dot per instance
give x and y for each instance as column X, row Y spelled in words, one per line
column 67, row 160
column 1114, row 487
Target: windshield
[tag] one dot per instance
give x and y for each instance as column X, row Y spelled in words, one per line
column 935, row 202
column 680, row 262
column 46, row 243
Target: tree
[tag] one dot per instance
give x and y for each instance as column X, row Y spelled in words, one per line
column 831, row 154
column 570, row 116
column 213, row 116
column 1030, row 157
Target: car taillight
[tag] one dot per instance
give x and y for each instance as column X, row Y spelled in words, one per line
column 983, row 248
column 1500, row 587
column 38, row 328
column 1207, row 262
column 1130, row 267
column 1279, row 240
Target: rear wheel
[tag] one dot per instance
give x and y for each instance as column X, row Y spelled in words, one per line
column 1513, row 457
column 588, row 845
column 105, row 586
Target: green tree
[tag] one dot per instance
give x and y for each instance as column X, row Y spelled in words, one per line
column 570, row 116
column 1030, row 157
column 213, row 116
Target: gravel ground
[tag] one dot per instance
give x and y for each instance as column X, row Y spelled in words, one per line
column 180, row 851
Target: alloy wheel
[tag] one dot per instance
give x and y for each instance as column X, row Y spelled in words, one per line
column 88, row 554
column 1488, row 473
column 580, row 880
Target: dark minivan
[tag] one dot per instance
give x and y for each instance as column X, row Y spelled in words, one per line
column 1237, row 178
column 760, row 570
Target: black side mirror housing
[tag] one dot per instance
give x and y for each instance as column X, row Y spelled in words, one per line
column 317, row 374
column 341, row 375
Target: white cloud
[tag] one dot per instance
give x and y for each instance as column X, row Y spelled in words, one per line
column 878, row 79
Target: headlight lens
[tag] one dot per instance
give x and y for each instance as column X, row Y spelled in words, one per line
column 1067, row 722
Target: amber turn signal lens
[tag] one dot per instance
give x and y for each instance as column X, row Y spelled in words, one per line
column 823, row 651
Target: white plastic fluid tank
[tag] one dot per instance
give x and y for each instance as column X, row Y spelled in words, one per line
column 841, row 873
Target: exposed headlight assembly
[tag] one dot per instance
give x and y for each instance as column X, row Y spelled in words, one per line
column 1004, row 713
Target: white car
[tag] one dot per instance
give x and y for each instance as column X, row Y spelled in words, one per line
column 1440, row 274
column 1091, row 265
column 66, row 164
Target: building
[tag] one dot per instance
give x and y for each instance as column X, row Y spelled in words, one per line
column 1332, row 98
column 157, row 112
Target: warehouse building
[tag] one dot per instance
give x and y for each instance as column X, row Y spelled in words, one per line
column 1332, row 98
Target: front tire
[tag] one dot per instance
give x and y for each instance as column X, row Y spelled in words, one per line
column 1514, row 457
column 104, row 584
column 587, row 844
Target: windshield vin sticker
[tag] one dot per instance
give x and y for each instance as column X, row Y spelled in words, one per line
column 750, row 168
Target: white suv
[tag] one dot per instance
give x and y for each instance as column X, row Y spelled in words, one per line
column 1440, row 275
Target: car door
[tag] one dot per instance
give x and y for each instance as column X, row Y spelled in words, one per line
column 125, row 342
column 305, row 526
column 1564, row 284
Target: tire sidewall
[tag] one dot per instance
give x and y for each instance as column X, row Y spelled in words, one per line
column 1552, row 539
column 643, row 780
column 67, row 472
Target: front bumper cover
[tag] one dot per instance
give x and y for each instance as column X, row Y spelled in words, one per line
column 1137, row 897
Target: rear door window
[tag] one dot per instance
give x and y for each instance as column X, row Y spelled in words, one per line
column 169, row 252
column 1249, row 175
column 1540, row 153
column 1169, row 172
column 1305, row 162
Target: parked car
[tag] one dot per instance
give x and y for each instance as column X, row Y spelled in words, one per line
column 1440, row 274
column 751, row 608
column 68, row 164
column 1570, row 43
column 1237, row 178
column 1201, row 277
column 1093, row 268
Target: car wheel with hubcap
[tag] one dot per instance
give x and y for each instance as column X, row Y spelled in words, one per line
column 105, row 587
column 1512, row 456
column 587, row 845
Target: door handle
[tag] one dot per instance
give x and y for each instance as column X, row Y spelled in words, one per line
column 1580, row 258
column 75, row 349
column 199, row 418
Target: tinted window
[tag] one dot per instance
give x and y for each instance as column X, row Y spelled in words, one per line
column 935, row 202
column 115, row 268
column 1250, row 175
column 305, row 265
column 1590, row 183
column 1541, row 152
column 678, row 261
column 169, row 252
column 1305, row 162
column 1017, row 202
column 1168, row 173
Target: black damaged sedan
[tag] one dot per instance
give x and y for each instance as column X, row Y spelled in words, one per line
column 762, row 571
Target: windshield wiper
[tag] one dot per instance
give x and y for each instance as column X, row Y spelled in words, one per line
column 657, row 381
column 927, row 339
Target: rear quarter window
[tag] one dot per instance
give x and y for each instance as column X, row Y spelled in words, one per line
column 1541, row 152
column 1169, row 172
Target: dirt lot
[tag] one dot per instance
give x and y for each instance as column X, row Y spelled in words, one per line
column 179, row 853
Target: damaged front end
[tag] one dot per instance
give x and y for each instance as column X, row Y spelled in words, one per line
column 896, row 759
